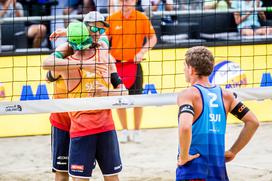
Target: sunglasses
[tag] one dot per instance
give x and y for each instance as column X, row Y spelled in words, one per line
column 95, row 29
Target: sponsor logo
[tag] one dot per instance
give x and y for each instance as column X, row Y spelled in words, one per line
column 186, row 108
column 118, row 27
column 13, row 108
column 61, row 163
column 62, row 158
column 123, row 102
column 77, row 168
column 89, row 87
column 228, row 74
column 117, row 167
column 150, row 89
column 241, row 108
column 27, row 93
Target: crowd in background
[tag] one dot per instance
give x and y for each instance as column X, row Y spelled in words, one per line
column 37, row 31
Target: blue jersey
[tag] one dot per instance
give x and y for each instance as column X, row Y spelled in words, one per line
column 208, row 139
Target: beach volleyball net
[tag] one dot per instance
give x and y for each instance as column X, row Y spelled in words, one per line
column 243, row 65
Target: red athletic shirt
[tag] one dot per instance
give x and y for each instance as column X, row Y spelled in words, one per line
column 89, row 122
column 60, row 120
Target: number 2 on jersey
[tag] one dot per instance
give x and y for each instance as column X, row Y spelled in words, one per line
column 213, row 97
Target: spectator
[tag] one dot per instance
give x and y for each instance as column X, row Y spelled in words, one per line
column 191, row 4
column 57, row 23
column 247, row 22
column 164, row 5
column 102, row 6
column 127, row 32
column 72, row 5
column 86, row 6
column 146, row 6
column 35, row 32
column 161, row 5
column 113, row 6
column 217, row 4
column 267, row 3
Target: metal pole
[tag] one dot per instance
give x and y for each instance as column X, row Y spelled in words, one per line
column 210, row 11
column 1, row 36
column 44, row 18
column 160, row 13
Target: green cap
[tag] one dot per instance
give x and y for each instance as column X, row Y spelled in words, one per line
column 78, row 35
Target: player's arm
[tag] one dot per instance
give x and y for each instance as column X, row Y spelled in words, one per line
column 119, row 91
column 61, row 52
column 116, row 81
column 61, row 32
column 55, row 62
column 186, row 117
column 103, row 90
column 110, row 60
column 239, row 110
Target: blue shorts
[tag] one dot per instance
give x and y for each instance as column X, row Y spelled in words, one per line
column 102, row 147
column 60, row 148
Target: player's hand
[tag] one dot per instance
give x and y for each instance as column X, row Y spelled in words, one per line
column 58, row 33
column 101, row 90
column 121, row 89
column 139, row 57
column 186, row 160
column 229, row 156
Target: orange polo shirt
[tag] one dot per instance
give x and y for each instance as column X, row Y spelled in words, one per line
column 127, row 34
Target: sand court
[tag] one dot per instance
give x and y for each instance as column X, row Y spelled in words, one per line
column 28, row 158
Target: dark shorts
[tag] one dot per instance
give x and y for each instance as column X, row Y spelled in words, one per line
column 137, row 87
column 60, row 149
column 192, row 180
column 72, row 3
column 102, row 147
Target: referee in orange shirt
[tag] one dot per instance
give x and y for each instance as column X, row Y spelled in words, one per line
column 131, row 35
